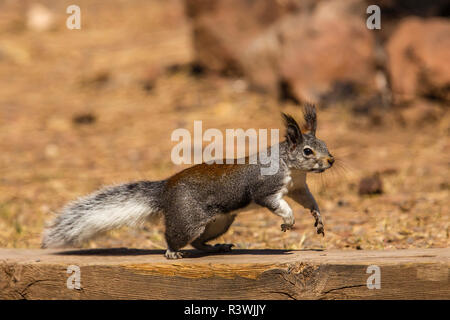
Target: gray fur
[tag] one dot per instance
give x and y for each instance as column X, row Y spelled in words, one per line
column 200, row 203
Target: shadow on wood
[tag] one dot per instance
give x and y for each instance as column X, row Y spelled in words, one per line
column 188, row 253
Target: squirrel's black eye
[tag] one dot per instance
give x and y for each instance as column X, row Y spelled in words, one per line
column 307, row 151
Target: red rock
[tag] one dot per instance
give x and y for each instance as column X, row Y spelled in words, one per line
column 419, row 59
column 222, row 29
column 306, row 47
column 371, row 185
column 313, row 51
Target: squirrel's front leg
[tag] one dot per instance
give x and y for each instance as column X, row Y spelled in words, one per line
column 319, row 223
column 281, row 208
column 304, row 197
column 285, row 211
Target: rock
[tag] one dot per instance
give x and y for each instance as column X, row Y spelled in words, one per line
column 222, row 29
column 342, row 203
column 40, row 18
column 84, row 119
column 96, row 79
column 316, row 53
column 51, row 151
column 444, row 186
column 419, row 55
column 389, row 171
column 298, row 50
column 371, row 185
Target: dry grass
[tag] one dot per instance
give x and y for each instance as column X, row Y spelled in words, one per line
column 105, row 69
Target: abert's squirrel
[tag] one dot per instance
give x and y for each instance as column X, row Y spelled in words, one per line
column 199, row 203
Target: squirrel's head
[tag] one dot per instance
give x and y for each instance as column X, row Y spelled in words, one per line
column 304, row 150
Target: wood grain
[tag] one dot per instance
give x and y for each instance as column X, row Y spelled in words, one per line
column 242, row 274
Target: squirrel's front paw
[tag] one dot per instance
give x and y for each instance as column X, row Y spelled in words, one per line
column 286, row 226
column 318, row 224
column 320, row 229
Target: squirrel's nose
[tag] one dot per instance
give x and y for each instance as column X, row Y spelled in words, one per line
column 330, row 160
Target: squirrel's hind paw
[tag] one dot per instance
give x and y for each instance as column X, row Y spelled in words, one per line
column 285, row 227
column 320, row 229
column 173, row 254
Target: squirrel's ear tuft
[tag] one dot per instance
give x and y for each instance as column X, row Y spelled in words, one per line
column 309, row 113
column 293, row 132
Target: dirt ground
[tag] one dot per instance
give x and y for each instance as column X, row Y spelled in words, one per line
column 84, row 108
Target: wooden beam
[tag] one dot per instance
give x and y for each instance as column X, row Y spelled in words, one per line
column 242, row 274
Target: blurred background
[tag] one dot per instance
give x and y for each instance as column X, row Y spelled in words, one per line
column 80, row 109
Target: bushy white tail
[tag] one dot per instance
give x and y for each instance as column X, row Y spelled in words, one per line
column 127, row 204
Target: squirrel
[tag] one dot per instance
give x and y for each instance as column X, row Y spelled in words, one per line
column 200, row 203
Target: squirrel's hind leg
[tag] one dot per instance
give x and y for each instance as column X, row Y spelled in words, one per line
column 183, row 225
column 178, row 238
column 218, row 226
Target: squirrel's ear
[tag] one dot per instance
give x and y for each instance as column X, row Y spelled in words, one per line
column 309, row 113
column 293, row 132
